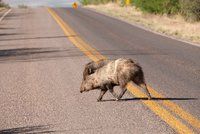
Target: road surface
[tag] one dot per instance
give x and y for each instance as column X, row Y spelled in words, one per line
column 41, row 63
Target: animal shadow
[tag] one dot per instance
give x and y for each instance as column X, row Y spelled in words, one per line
column 40, row 129
column 152, row 99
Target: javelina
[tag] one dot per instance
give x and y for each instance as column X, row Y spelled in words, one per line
column 105, row 75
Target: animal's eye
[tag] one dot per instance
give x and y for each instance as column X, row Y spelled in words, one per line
column 90, row 71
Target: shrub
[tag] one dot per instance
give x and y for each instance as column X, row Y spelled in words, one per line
column 84, row 2
column 158, row 6
column 2, row 4
column 190, row 9
column 22, row 6
column 95, row 2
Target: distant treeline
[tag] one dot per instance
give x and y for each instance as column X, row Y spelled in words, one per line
column 190, row 9
column 95, row 2
column 2, row 4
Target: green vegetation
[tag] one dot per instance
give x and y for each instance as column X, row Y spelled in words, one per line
column 84, row 2
column 4, row 5
column 22, row 6
column 158, row 6
column 190, row 9
column 95, row 2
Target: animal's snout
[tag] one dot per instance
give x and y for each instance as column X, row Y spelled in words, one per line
column 82, row 89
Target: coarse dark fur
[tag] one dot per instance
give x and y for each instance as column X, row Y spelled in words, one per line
column 92, row 66
column 105, row 75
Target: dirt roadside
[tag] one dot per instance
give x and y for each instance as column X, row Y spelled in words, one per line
column 1, row 9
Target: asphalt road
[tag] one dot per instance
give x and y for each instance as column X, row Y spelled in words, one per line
column 41, row 72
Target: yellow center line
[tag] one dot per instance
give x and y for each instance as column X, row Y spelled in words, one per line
column 176, row 109
column 165, row 115
column 77, row 41
column 161, row 112
column 72, row 36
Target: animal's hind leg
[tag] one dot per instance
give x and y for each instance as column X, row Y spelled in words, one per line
column 110, row 88
column 122, row 93
column 146, row 89
column 103, row 91
column 122, row 83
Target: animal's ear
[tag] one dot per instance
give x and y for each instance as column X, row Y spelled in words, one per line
column 85, row 73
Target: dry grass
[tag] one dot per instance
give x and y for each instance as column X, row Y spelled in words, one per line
column 174, row 25
column 1, row 9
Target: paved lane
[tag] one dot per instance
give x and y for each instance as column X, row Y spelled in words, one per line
column 172, row 67
column 158, row 60
column 39, row 83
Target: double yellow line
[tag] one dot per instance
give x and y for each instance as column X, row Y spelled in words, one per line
column 168, row 115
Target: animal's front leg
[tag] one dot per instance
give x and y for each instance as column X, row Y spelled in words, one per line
column 112, row 92
column 103, row 91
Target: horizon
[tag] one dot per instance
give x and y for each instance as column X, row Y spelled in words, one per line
column 35, row 3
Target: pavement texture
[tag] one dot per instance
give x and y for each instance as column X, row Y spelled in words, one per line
column 41, row 72
column 170, row 66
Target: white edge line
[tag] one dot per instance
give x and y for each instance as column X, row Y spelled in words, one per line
column 144, row 28
column 4, row 15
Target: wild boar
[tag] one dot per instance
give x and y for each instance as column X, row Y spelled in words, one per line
column 105, row 75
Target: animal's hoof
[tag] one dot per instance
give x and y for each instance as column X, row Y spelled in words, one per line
column 116, row 99
column 98, row 100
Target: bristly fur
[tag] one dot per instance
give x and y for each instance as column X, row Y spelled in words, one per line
column 92, row 66
column 107, row 74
